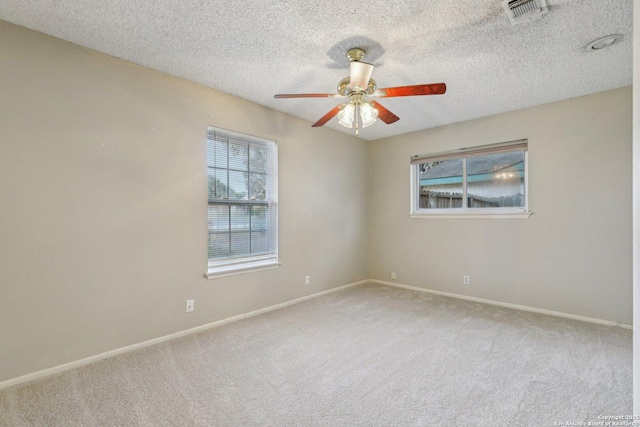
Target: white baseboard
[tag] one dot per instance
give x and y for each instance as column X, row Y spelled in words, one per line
column 507, row 305
column 107, row 354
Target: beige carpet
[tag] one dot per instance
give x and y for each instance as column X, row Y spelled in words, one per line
column 366, row 356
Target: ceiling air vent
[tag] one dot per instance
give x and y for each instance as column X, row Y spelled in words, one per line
column 521, row 11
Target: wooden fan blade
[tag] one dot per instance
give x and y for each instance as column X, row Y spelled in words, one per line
column 304, row 95
column 430, row 89
column 328, row 116
column 383, row 114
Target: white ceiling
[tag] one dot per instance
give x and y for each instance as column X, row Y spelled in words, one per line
column 254, row 49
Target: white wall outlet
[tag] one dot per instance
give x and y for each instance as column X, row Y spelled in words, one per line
column 465, row 280
column 307, row 280
column 189, row 305
column 393, row 275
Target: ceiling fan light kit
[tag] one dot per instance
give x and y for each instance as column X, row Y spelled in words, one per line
column 346, row 115
column 358, row 111
column 368, row 114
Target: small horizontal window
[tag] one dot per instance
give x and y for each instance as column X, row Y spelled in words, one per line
column 488, row 180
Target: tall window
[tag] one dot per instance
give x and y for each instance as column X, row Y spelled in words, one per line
column 490, row 179
column 243, row 193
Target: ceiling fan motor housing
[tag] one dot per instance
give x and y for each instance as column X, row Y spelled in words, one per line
column 344, row 89
column 356, row 54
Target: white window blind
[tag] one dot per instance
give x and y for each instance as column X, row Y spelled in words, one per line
column 243, row 196
column 461, row 153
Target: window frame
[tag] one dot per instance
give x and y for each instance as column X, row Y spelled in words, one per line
column 248, row 263
column 465, row 211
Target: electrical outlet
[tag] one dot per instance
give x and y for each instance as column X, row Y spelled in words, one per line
column 465, row 280
column 189, row 305
column 307, row 280
column 393, row 275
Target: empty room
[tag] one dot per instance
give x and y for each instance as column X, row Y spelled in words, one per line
column 290, row 213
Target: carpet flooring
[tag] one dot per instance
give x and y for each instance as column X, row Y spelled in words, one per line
column 370, row 355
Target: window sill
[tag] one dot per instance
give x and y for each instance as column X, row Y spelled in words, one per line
column 219, row 272
column 512, row 215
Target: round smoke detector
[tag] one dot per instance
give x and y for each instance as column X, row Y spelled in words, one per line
column 603, row 42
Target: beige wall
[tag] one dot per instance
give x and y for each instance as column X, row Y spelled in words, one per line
column 573, row 255
column 103, row 220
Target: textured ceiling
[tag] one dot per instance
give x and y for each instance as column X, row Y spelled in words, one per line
column 254, row 49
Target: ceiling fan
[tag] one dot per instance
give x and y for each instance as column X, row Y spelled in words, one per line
column 357, row 87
